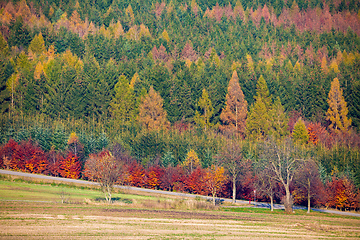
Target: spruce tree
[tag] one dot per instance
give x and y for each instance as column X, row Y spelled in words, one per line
column 207, row 110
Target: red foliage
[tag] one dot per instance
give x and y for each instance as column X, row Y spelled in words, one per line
column 70, row 167
column 153, row 177
column 194, row 183
column 54, row 160
column 172, row 177
column 136, row 174
column 342, row 194
column 26, row 156
column 7, row 153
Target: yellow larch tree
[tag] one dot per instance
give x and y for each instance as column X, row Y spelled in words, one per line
column 337, row 112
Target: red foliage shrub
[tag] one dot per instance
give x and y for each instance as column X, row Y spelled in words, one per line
column 70, row 167
column 342, row 194
column 135, row 175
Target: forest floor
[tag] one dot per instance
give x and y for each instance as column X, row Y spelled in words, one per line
column 33, row 210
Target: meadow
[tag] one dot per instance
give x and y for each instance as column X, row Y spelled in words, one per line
column 49, row 210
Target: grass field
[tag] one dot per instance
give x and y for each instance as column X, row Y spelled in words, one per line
column 34, row 210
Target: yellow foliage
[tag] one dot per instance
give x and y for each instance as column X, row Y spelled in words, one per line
column 69, row 58
column 39, row 69
column 188, row 63
column 191, row 161
column 133, row 80
column 144, row 31
column 337, row 112
column 334, row 66
column 324, row 67
column 235, row 65
column 118, row 30
column 51, row 11
column 73, row 138
column 129, row 11
column 297, row 67
column 250, row 63
column 132, row 33
column 165, row 35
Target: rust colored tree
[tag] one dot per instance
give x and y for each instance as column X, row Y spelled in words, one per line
column 234, row 114
column 151, row 112
column 104, row 169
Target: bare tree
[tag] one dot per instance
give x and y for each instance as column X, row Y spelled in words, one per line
column 283, row 161
column 266, row 183
column 231, row 158
column 104, row 169
column 308, row 179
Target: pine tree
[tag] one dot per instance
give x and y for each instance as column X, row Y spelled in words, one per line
column 151, row 112
column 337, row 112
column 123, row 104
column 235, row 112
column 203, row 119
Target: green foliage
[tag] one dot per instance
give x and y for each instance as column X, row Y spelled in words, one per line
column 300, row 134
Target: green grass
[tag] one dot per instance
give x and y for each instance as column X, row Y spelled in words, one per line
column 19, row 189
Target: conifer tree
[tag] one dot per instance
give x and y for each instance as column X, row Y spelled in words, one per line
column 151, row 112
column 235, row 112
column 337, row 112
column 278, row 121
column 37, row 45
column 203, row 120
column 258, row 122
column 123, row 104
column 300, row 134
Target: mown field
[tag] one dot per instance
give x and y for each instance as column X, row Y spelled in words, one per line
column 33, row 210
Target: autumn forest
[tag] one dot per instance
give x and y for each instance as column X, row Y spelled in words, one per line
column 217, row 98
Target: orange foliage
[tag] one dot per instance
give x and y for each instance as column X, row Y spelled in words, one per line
column 70, row 167
column 342, row 194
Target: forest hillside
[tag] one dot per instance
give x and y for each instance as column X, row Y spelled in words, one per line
column 167, row 86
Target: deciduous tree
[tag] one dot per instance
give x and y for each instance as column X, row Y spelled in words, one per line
column 104, row 169
column 337, row 112
column 283, row 160
column 214, row 180
column 151, row 112
column 234, row 114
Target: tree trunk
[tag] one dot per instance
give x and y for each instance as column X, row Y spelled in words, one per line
column 214, row 201
column 272, row 203
column 288, row 203
column 308, row 211
column 234, row 189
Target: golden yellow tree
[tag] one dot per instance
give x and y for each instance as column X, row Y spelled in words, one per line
column 151, row 112
column 214, row 180
column 337, row 112
column 192, row 161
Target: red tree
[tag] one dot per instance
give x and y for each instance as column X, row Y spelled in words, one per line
column 70, row 167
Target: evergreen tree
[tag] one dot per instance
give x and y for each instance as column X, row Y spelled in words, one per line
column 235, row 112
column 37, row 45
column 258, row 122
column 207, row 110
column 337, row 112
column 278, row 121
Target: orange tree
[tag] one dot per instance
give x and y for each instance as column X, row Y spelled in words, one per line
column 104, row 169
column 214, row 180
